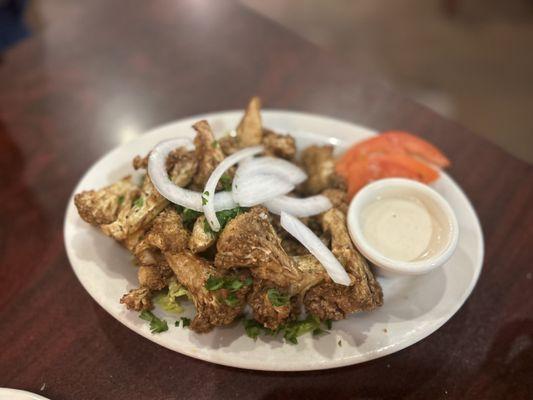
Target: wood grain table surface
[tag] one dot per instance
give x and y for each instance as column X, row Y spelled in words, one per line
column 100, row 73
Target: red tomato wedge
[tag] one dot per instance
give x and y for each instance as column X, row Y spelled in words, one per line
column 396, row 142
column 388, row 155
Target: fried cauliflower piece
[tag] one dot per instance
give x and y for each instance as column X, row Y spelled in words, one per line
column 200, row 240
column 102, row 206
column 211, row 308
column 249, row 131
column 208, row 153
column 264, row 312
column 272, row 316
column 332, row 301
column 319, row 163
column 279, row 145
column 249, row 240
column 250, row 128
column 138, row 299
column 338, row 198
column 137, row 214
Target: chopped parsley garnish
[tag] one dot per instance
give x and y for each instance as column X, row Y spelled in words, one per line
column 120, row 199
column 185, row 322
column 157, row 325
column 328, row 323
column 339, row 343
column 226, row 181
column 139, row 201
column 189, row 217
column 179, row 208
column 231, row 300
column 253, row 328
column 231, row 283
column 205, row 197
column 215, row 144
column 225, row 216
column 291, row 331
column 299, row 328
column 276, row 298
column 214, row 283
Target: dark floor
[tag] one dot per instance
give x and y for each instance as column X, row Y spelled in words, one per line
column 475, row 65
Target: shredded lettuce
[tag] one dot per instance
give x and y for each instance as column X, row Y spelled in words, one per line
column 168, row 300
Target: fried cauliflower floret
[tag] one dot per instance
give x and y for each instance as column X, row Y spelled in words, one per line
column 211, row 308
column 250, row 129
column 102, row 206
column 332, row 301
column 279, row 145
column 139, row 213
column 249, row 240
column 208, row 154
column 264, row 312
column 167, row 233
column 319, row 163
column 154, row 277
column 338, row 198
column 200, row 239
column 138, row 299
column 249, row 132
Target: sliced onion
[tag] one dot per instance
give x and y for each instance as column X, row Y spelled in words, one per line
column 210, row 186
column 253, row 190
column 315, row 246
column 299, row 207
column 157, row 171
column 272, row 166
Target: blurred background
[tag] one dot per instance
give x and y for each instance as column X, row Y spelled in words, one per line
column 469, row 60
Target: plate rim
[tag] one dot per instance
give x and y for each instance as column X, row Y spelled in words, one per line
column 250, row 365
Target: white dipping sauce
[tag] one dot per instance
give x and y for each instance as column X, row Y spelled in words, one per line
column 400, row 228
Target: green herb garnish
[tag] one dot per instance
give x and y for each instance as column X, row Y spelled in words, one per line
column 214, row 283
column 215, row 144
column 179, row 208
column 189, row 217
column 230, row 283
column 339, row 343
column 226, row 181
column 120, row 199
column 139, row 201
column 252, row 328
column 231, row 300
column 294, row 329
column 225, row 216
column 328, row 323
column 276, row 298
column 205, row 197
column 185, row 322
column 157, row 325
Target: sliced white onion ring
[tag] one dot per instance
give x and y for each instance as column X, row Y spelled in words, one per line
column 315, row 246
column 184, row 197
column 299, row 207
column 257, row 189
column 272, row 166
column 210, row 186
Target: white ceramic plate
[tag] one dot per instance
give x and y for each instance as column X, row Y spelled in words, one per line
column 414, row 307
column 15, row 394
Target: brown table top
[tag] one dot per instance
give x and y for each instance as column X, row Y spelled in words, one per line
column 104, row 70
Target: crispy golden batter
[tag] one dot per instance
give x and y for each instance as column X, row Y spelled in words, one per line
column 201, row 239
column 208, row 153
column 331, row 301
column 138, row 299
column 250, row 129
column 102, row 206
column 249, row 240
column 338, row 198
column 319, row 163
column 264, row 311
column 211, row 309
column 279, row 145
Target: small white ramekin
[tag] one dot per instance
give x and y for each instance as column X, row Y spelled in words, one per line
column 403, row 187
